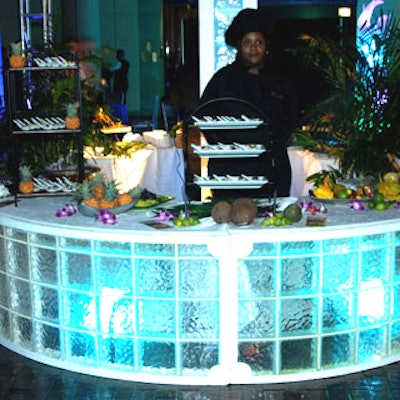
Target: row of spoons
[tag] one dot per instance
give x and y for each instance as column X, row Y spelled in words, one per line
column 29, row 124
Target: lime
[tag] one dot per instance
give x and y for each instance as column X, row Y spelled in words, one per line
column 178, row 222
column 371, row 204
column 381, row 206
column 266, row 222
column 379, row 197
column 342, row 194
column 278, row 222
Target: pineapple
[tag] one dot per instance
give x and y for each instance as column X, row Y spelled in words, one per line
column 97, row 183
column 17, row 60
column 72, row 120
column 128, row 197
column 110, row 198
column 25, row 185
column 84, row 194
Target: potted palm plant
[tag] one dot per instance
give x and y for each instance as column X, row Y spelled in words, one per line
column 361, row 112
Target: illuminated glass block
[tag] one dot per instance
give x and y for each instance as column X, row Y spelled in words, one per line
column 81, row 346
column 42, row 239
column 199, row 356
column 264, row 249
column 339, row 271
column 44, row 265
column 395, row 338
column 116, row 313
column 2, row 255
column 299, row 275
column 258, row 355
column 22, row 331
column 256, row 277
column 114, row 248
column 372, row 344
column 198, row 278
column 299, row 316
column 256, row 318
column 296, row 248
column 76, row 271
column 373, row 306
column 376, row 240
column 199, row 319
column 396, row 300
column 297, row 355
column 17, row 259
column 16, row 234
column 117, row 351
column 338, row 312
column 46, row 304
column 154, row 249
column 20, row 297
column 193, row 250
column 376, row 266
column 155, row 277
column 156, row 318
column 113, row 272
column 337, row 350
column 48, row 340
column 158, row 355
column 4, row 323
column 340, row 245
column 80, row 310
column 4, row 296
column 396, row 272
column 75, row 244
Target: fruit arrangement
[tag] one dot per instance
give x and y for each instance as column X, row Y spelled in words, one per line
column 185, row 221
column 292, row 213
column 379, row 197
column 97, row 192
column 327, row 187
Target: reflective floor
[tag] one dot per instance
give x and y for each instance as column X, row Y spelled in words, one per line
column 22, row 379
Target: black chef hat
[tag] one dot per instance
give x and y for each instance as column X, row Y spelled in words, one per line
column 248, row 20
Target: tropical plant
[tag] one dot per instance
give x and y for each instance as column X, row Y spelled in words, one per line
column 361, row 110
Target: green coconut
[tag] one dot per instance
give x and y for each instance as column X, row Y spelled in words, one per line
column 293, row 212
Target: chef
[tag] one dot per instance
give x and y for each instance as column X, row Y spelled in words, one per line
column 272, row 99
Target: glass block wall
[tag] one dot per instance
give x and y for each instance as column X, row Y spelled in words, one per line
column 193, row 312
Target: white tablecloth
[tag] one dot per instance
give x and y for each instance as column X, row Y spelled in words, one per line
column 305, row 163
column 159, row 170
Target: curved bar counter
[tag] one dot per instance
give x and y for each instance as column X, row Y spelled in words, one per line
column 211, row 304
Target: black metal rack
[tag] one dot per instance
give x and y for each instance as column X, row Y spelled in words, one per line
column 236, row 108
column 20, row 106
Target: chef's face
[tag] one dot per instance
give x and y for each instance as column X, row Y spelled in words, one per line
column 253, row 49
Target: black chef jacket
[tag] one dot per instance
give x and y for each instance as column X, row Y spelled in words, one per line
column 275, row 102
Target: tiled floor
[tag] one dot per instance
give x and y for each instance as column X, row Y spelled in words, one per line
column 22, row 379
